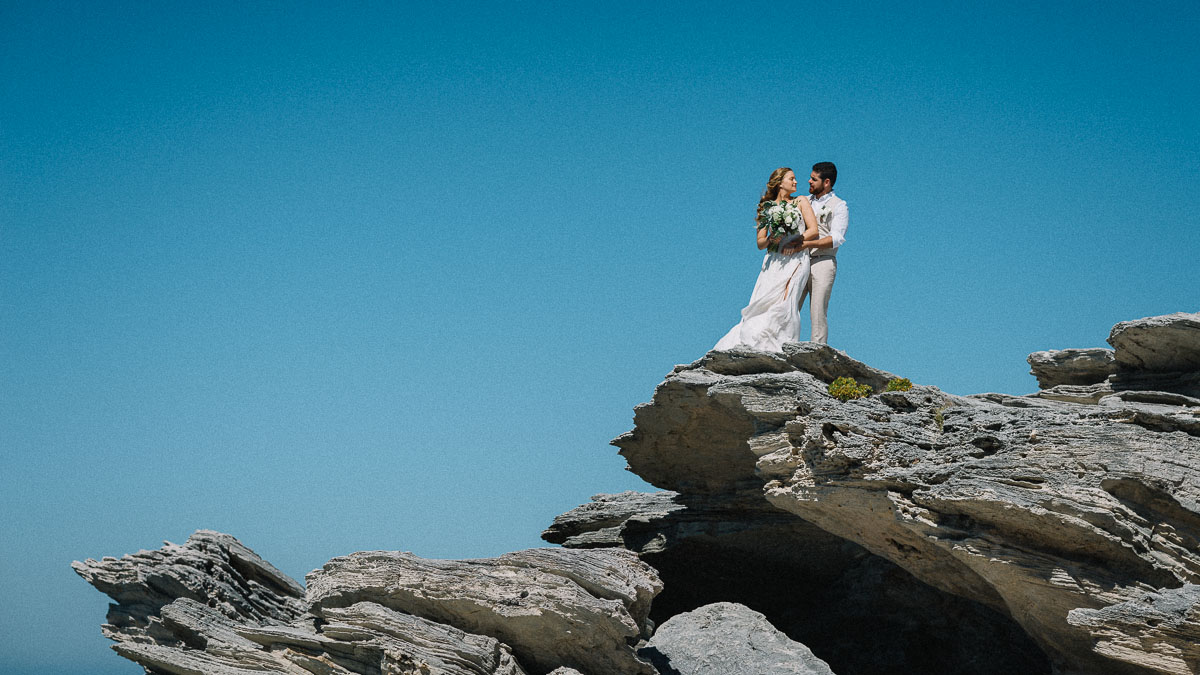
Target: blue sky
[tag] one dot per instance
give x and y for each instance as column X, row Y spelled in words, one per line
column 380, row 276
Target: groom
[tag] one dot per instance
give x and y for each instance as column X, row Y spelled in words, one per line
column 832, row 220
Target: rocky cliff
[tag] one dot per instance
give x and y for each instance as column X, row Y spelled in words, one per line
column 907, row 531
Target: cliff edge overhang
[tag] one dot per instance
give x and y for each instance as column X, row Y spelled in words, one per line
column 1075, row 510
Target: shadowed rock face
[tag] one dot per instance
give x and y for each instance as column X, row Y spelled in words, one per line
column 822, row 590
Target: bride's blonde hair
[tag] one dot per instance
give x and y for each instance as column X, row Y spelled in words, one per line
column 773, row 184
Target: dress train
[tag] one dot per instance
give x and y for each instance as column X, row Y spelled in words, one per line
column 773, row 315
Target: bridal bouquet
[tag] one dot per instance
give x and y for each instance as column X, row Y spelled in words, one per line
column 780, row 218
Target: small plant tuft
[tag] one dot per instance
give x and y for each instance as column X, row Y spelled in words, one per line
column 939, row 418
column 846, row 388
column 899, row 384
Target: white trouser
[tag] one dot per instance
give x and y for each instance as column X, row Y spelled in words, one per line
column 820, row 285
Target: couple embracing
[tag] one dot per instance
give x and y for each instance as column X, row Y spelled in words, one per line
column 802, row 235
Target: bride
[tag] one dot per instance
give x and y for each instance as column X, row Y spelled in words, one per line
column 773, row 315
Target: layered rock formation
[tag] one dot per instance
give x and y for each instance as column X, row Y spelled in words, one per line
column 1077, row 524
column 213, row 607
column 178, row 598
column 583, row 610
column 1153, row 360
column 909, row 531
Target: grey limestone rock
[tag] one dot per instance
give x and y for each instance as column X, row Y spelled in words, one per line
column 366, row 637
column 1181, row 383
column 1169, row 343
column 700, row 433
column 1152, row 360
column 1153, row 630
column 730, row 639
column 212, row 569
column 902, row 530
column 213, row 607
column 649, row 523
column 1075, row 367
column 602, row 521
column 820, row 360
column 1037, row 508
column 1068, row 393
column 554, row 607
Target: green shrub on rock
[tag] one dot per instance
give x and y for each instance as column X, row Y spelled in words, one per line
column 899, row 384
column 846, row 388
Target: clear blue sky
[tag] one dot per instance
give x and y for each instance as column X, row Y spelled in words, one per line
column 376, row 276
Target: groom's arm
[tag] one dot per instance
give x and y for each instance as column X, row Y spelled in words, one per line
column 837, row 230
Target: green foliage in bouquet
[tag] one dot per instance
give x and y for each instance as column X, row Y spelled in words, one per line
column 899, row 384
column 846, row 388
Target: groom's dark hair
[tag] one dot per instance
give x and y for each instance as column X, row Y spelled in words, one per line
column 826, row 170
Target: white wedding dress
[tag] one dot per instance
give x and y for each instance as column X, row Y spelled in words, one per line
column 773, row 315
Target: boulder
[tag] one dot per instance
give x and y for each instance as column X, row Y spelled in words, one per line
column 1169, row 343
column 730, row 639
column 1074, row 367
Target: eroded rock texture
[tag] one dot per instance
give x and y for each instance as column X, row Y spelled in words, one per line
column 213, row 607
column 554, row 607
column 1160, row 344
column 1079, row 523
column 213, row 572
column 1072, row 367
column 1153, row 360
column 910, row 531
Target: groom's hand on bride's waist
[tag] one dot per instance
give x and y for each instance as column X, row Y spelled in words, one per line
column 791, row 248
